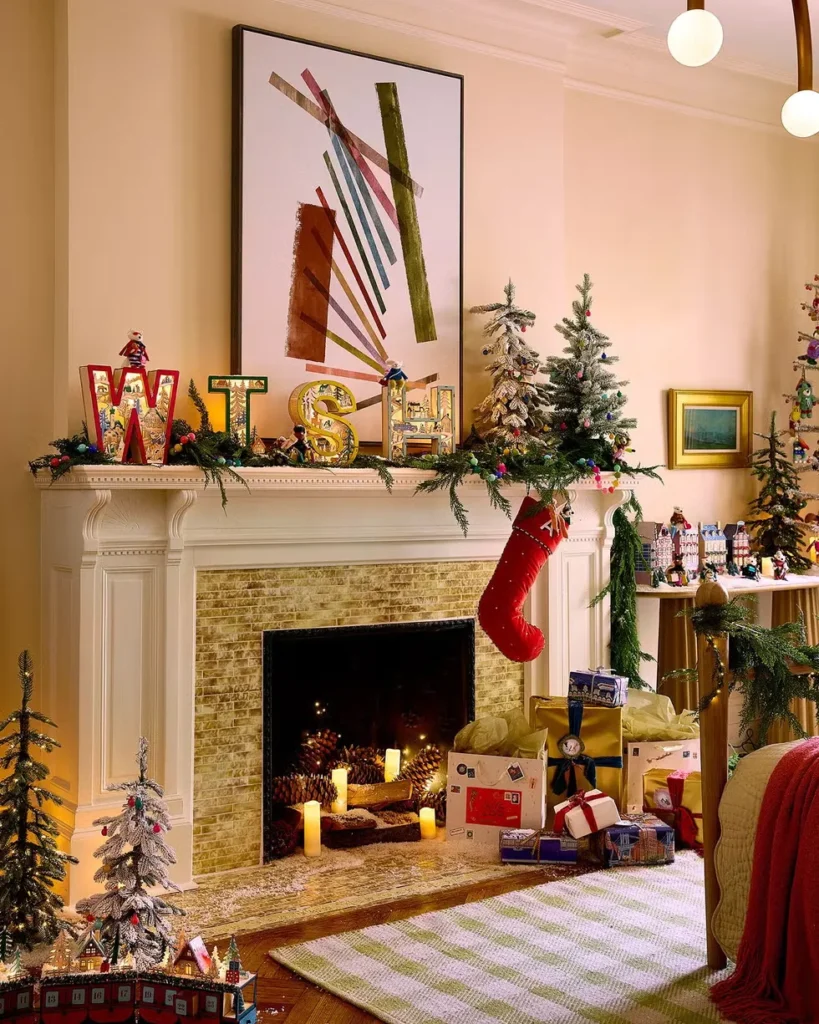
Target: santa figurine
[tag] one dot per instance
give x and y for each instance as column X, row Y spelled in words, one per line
column 394, row 373
column 679, row 520
column 780, row 566
column 135, row 352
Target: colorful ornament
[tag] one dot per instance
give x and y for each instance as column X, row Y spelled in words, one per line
column 134, row 919
column 157, row 828
column 105, row 830
column 82, row 448
column 131, row 801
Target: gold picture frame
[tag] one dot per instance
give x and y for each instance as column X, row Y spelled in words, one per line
column 709, row 429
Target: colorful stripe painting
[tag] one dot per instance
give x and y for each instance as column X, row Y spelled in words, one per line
column 309, row 257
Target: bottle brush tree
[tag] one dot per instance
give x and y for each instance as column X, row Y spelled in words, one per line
column 513, row 411
column 775, row 522
column 30, row 863
column 135, row 859
column 584, row 396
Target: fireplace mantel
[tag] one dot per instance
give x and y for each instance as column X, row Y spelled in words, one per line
column 121, row 548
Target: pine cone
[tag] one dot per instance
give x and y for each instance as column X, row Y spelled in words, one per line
column 364, row 765
column 315, row 751
column 422, row 768
column 298, row 789
column 437, row 801
column 282, row 839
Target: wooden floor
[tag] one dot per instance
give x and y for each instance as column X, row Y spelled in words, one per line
column 282, row 995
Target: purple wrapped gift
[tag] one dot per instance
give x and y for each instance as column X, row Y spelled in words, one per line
column 536, row 846
column 598, row 686
column 637, row 839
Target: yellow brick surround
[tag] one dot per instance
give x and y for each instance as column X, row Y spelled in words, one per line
column 233, row 607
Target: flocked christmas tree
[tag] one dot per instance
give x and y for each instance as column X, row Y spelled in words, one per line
column 30, row 862
column 135, row 858
column 513, row 411
column 584, row 395
column 775, row 522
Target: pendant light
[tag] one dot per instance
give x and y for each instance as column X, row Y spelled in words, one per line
column 695, row 37
column 800, row 114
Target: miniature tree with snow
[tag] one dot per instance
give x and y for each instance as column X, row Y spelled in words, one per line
column 584, row 396
column 513, row 411
column 62, row 953
column 30, row 862
column 135, row 858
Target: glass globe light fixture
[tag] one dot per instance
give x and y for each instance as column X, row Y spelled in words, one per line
column 800, row 113
column 695, row 37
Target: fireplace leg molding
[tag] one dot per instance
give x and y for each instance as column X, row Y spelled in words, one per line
column 121, row 549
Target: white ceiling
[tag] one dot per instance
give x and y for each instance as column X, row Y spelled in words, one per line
column 759, row 34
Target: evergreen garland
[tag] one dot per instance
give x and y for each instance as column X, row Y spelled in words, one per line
column 626, row 549
column 762, row 661
column 29, row 858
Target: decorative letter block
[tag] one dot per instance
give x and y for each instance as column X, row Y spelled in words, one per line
column 318, row 406
column 237, row 392
column 432, row 419
column 129, row 411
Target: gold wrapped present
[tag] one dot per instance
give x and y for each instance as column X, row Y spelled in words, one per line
column 585, row 747
column 676, row 798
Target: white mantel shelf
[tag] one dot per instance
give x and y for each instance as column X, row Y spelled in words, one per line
column 121, row 547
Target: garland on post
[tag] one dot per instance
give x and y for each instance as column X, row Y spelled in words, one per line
column 622, row 589
column 762, row 664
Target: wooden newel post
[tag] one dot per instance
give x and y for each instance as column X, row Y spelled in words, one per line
column 714, row 757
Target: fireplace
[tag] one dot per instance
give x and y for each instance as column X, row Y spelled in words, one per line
column 399, row 684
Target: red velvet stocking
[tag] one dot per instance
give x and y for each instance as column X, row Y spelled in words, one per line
column 533, row 539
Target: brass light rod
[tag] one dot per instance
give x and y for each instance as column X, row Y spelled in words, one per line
column 804, row 48
column 696, row 5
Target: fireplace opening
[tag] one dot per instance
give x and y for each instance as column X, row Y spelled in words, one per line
column 403, row 685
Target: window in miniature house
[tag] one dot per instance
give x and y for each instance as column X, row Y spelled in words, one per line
column 23, row 1000
column 52, row 999
column 78, row 997
column 147, row 993
column 97, row 995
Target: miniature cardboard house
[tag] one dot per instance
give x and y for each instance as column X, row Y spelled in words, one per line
column 88, row 953
column 657, row 550
column 685, row 543
column 739, row 544
column 713, row 546
column 192, row 959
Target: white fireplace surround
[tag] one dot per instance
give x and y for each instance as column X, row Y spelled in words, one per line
column 120, row 550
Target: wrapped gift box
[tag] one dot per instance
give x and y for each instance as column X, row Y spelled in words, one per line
column 585, row 746
column 585, row 813
column 676, row 798
column 598, row 686
column 637, row 839
column 640, row 757
column 487, row 795
column 531, row 846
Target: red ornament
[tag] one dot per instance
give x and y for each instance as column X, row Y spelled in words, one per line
column 523, row 328
column 65, row 458
column 563, row 426
column 157, row 829
column 131, row 801
column 501, row 467
column 54, row 462
column 516, row 432
column 183, row 439
column 191, row 436
column 588, row 312
column 105, row 830
column 89, row 918
column 134, row 919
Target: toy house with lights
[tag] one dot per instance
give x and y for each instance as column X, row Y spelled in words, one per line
column 713, row 546
column 739, row 544
column 88, row 953
column 656, row 554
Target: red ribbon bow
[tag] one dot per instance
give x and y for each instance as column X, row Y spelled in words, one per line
column 685, row 824
column 581, row 800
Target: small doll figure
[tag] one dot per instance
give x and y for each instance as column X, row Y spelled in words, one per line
column 299, row 448
column 780, row 566
column 800, row 451
column 750, row 572
column 676, row 575
column 135, row 351
column 394, row 373
column 804, row 395
column 679, row 520
column 812, row 355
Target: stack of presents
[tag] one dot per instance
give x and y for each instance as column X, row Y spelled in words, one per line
column 676, row 551
column 610, row 781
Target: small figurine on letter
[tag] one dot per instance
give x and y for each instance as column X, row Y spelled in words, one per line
column 135, row 351
column 297, row 445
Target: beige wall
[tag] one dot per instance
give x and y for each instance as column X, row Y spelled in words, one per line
column 26, row 311
column 698, row 230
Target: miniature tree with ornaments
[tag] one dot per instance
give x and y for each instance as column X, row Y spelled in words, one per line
column 29, row 858
column 775, row 523
column 584, row 395
column 513, row 411
column 135, row 859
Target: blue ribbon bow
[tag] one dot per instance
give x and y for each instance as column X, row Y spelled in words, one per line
column 565, row 777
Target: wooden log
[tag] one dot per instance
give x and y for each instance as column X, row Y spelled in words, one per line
column 378, row 794
column 346, row 822
column 344, row 840
column 714, row 759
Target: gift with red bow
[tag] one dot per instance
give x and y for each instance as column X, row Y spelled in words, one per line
column 585, row 813
column 676, row 798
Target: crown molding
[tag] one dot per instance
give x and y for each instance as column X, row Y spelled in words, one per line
column 586, row 13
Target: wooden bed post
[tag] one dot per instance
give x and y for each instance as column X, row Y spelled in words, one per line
column 714, row 759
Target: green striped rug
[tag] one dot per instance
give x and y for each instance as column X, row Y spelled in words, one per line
column 625, row 946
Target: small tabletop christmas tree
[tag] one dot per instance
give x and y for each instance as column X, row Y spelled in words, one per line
column 135, row 857
column 775, row 522
column 30, row 862
column 584, row 395
column 513, row 411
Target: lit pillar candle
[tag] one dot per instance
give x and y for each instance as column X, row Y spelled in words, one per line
column 392, row 764
column 312, row 828
column 339, row 776
column 767, row 567
column 428, row 829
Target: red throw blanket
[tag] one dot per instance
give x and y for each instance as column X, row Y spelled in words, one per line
column 776, row 980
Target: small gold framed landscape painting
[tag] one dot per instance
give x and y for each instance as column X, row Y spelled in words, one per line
column 709, row 429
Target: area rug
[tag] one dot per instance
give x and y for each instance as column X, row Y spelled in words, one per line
column 624, row 946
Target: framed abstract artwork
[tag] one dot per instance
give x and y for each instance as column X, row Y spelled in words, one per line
column 709, row 429
column 347, row 223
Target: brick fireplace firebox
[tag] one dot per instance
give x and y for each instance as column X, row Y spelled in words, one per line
column 154, row 600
